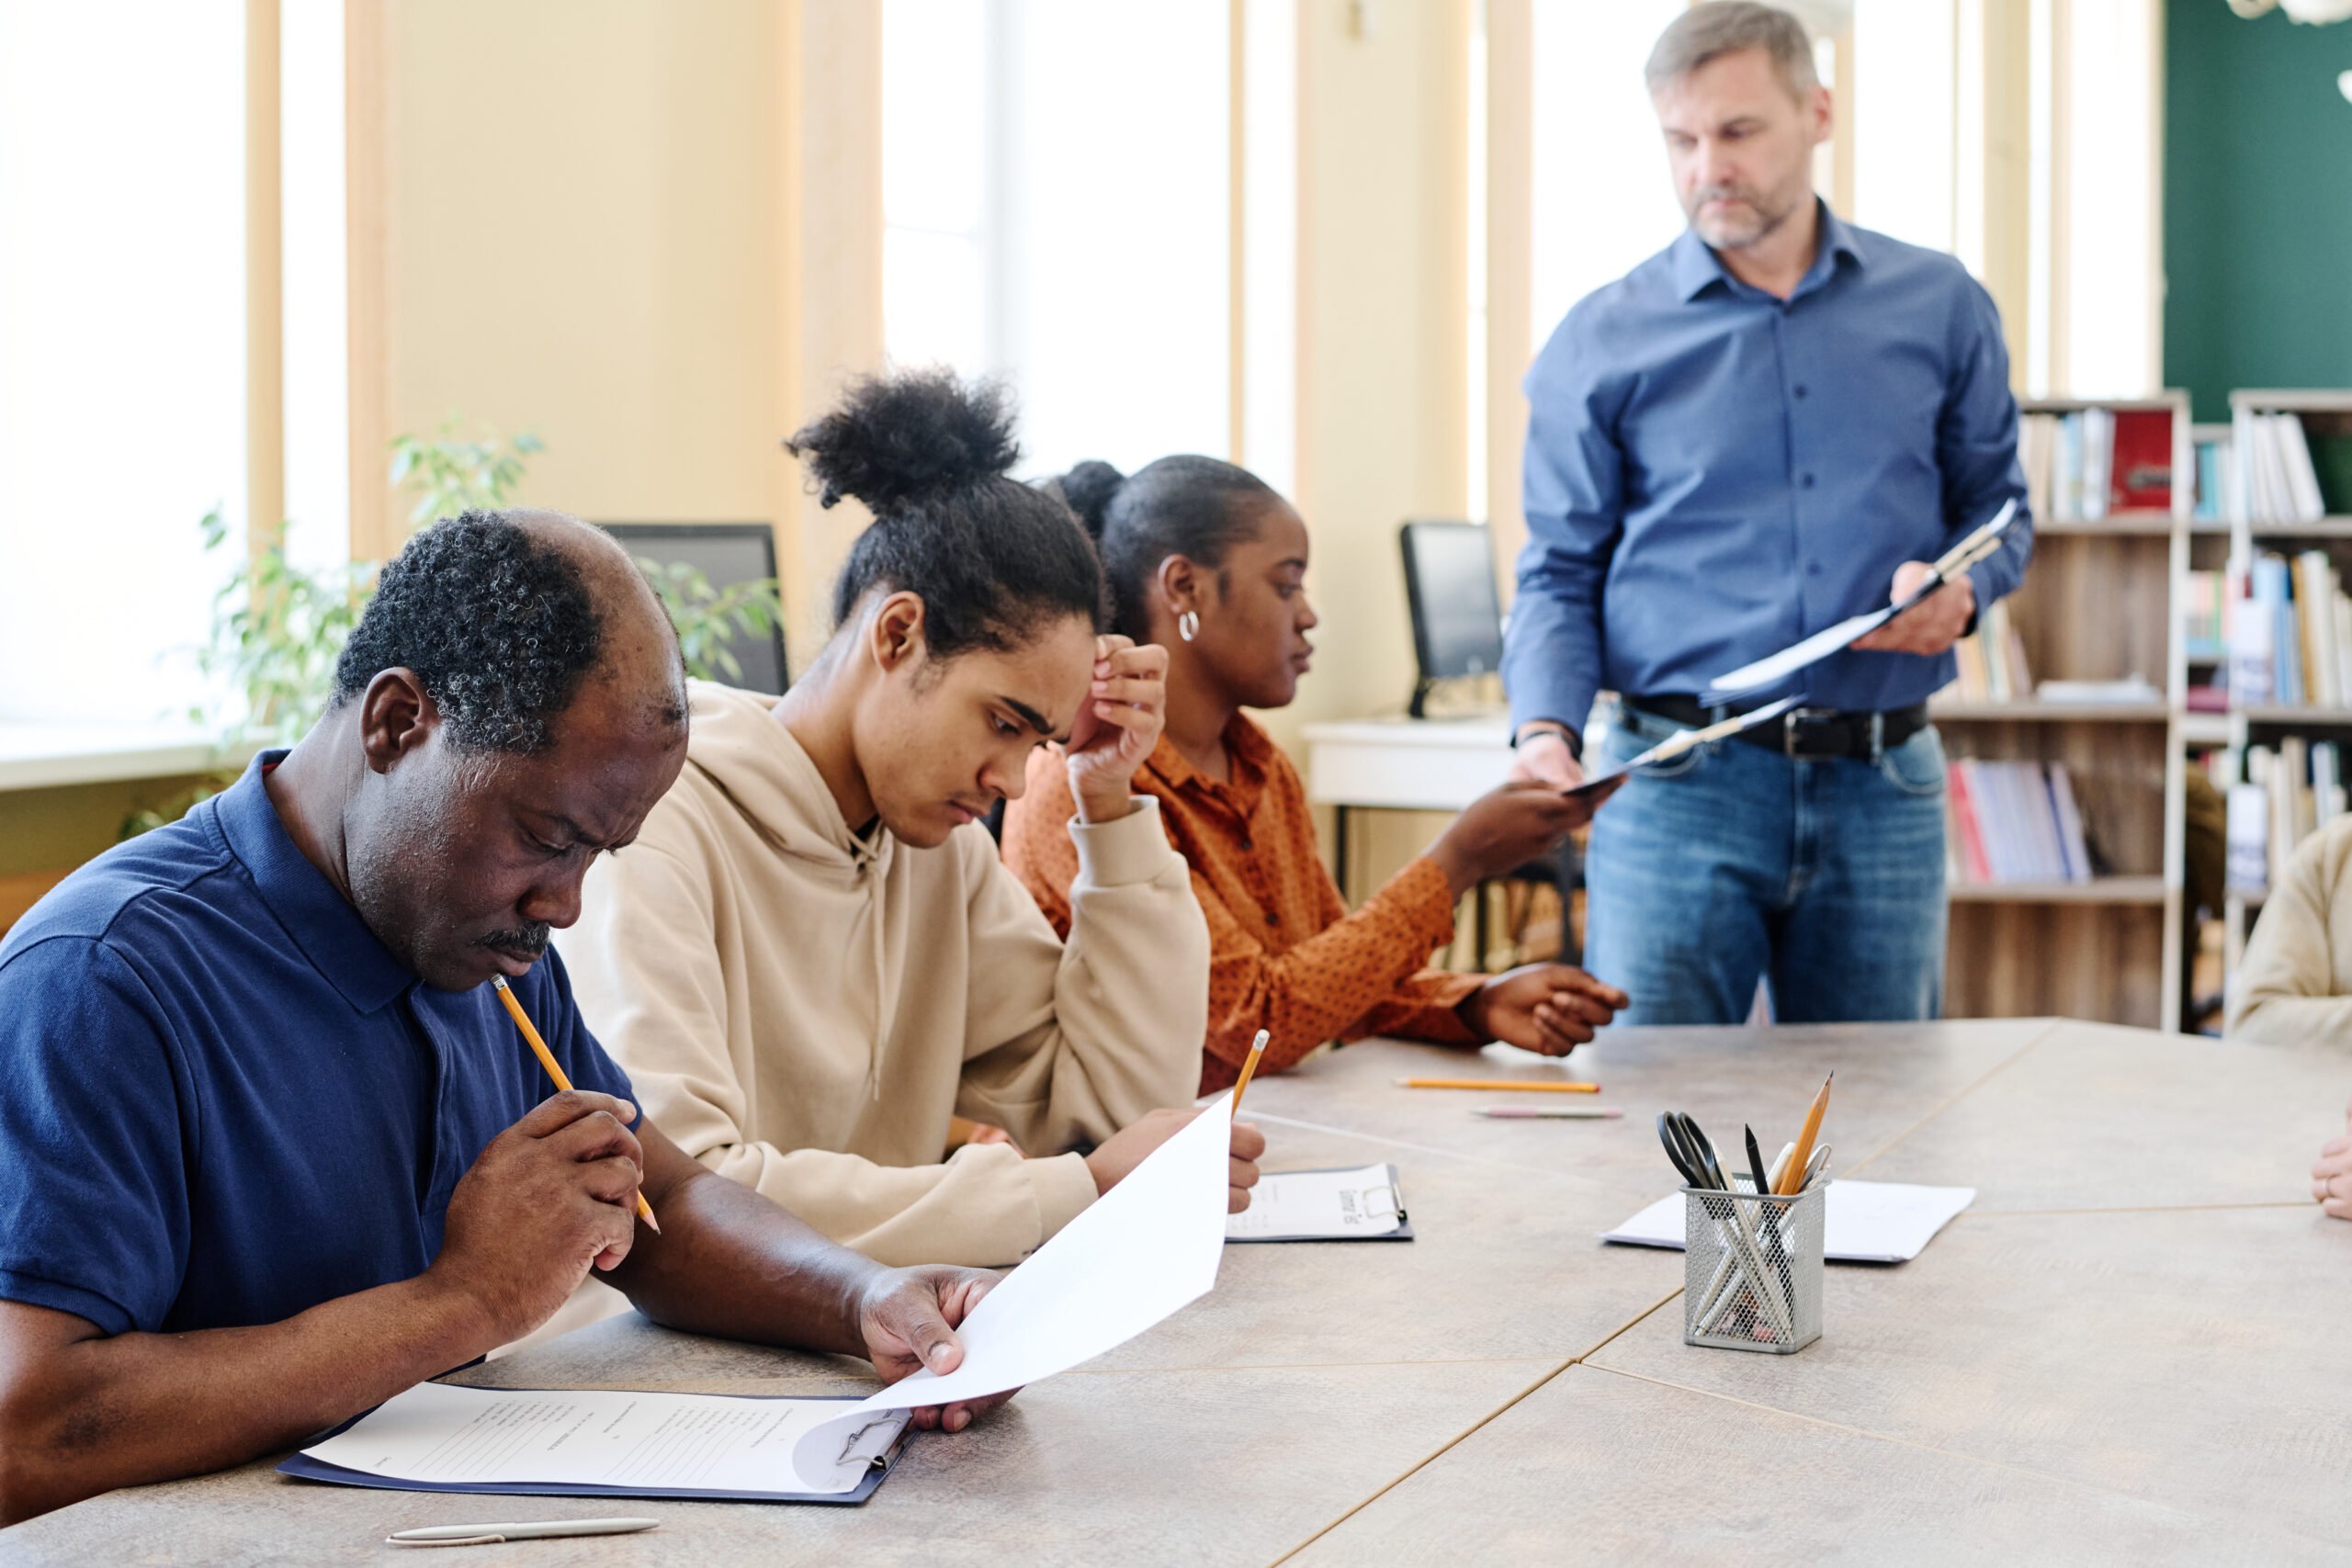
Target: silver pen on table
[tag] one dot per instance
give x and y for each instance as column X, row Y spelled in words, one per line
column 537, row 1529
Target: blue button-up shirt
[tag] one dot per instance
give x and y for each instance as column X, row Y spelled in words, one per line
column 222, row 1100
column 1713, row 473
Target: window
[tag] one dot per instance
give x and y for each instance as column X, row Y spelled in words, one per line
column 1078, row 245
column 122, row 347
column 1603, row 198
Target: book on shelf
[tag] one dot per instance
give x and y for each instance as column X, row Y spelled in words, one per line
column 2294, row 473
column 2204, row 617
column 1991, row 660
column 2290, row 792
column 2089, row 465
column 2217, row 468
column 2014, row 822
column 2288, row 631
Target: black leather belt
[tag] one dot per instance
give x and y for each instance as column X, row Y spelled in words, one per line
column 1800, row 732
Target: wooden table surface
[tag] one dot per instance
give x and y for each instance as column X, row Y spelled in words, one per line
column 2136, row 1347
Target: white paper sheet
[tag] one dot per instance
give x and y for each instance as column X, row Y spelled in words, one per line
column 1865, row 1222
column 1146, row 1248
column 1309, row 1205
column 1775, row 667
column 450, row 1436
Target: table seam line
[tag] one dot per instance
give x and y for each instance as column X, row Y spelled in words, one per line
column 1986, row 1076
column 1463, row 1435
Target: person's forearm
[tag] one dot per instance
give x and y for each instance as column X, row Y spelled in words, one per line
column 103, row 1412
column 2279, row 1019
column 731, row 1263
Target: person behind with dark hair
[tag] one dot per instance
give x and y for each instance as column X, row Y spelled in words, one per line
column 1207, row 562
column 812, row 961
column 274, row 1150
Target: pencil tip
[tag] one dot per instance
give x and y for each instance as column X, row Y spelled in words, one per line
column 651, row 1223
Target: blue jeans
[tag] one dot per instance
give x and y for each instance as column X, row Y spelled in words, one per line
column 1824, row 876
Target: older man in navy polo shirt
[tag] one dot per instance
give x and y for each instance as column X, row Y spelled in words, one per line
column 271, row 1151
column 1765, row 428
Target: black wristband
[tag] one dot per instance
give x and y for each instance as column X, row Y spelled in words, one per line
column 1574, row 741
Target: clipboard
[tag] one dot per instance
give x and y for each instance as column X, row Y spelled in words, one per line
column 881, row 1463
column 1812, row 651
column 1378, row 1199
column 1682, row 740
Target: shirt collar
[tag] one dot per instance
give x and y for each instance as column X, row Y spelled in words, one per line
column 1246, row 746
column 320, row 920
column 1695, row 264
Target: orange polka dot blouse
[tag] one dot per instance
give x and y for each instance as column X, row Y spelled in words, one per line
column 1285, row 953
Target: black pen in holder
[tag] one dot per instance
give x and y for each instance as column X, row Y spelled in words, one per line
column 1752, row 1267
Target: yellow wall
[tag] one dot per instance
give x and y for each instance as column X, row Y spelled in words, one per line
column 581, row 242
column 1383, row 304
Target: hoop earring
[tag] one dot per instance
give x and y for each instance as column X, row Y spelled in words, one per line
column 1187, row 625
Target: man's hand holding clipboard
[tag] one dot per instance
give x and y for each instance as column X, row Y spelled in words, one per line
column 1873, row 630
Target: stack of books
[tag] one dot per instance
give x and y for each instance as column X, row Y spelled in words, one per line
column 2091, row 464
column 2288, row 794
column 2292, row 642
column 2204, row 617
column 2015, row 822
column 1991, row 661
column 2282, row 482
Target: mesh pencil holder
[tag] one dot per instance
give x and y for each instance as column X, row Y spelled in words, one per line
column 1752, row 1269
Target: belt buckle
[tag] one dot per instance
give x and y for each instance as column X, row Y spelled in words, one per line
column 1798, row 720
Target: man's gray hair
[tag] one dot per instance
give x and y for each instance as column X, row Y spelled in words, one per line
column 1718, row 28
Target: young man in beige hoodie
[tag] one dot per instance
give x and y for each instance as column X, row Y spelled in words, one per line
column 812, row 959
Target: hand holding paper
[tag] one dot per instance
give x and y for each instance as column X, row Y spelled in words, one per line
column 1932, row 624
column 1771, row 671
column 1683, row 740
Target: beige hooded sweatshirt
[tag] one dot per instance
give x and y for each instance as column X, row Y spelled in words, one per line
column 803, row 1009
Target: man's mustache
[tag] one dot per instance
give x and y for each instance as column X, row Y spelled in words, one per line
column 531, row 940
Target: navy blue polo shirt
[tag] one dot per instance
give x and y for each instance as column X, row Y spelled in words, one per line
column 222, row 1100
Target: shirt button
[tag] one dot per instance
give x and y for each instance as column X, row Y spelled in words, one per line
column 1812, row 568
column 1805, row 479
column 1247, row 843
column 1799, row 389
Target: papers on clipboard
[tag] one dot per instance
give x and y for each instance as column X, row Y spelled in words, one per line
column 1682, row 740
column 1143, row 1251
column 1779, row 667
column 599, row 1442
column 1865, row 1222
column 1362, row 1204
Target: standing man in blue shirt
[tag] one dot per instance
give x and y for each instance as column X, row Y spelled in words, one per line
column 270, row 1149
column 1763, row 429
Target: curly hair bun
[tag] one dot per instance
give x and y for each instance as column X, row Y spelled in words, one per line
column 907, row 438
column 1088, row 489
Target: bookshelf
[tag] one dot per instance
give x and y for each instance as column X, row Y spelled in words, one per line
column 2095, row 605
column 2272, row 510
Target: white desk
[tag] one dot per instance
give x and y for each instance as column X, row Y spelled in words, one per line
column 1406, row 765
column 1401, row 764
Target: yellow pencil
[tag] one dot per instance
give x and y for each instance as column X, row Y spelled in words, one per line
column 1538, row 1086
column 546, row 1059
column 1257, row 1049
column 1793, row 1178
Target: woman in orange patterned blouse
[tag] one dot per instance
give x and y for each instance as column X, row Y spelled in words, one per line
column 1207, row 560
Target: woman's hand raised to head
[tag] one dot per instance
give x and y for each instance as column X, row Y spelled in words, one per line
column 1127, row 706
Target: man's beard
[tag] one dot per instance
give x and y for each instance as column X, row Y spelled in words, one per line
column 1767, row 220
